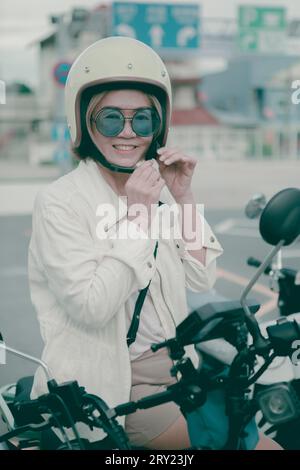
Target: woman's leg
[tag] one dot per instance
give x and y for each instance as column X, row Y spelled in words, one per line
column 265, row 443
column 175, row 437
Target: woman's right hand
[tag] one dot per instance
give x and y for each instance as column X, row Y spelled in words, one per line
column 143, row 188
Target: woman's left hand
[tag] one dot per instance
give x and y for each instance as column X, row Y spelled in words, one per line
column 177, row 170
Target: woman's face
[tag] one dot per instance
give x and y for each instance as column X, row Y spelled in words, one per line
column 127, row 148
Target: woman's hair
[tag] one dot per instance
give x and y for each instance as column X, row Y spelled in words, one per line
column 87, row 148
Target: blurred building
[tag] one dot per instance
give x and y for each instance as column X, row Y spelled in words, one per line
column 244, row 94
column 81, row 28
column 227, row 105
column 253, row 97
column 192, row 123
column 17, row 120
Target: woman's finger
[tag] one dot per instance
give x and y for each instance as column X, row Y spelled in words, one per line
column 179, row 158
column 145, row 166
column 167, row 153
column 163, row 150
column 153, row 178
column 142, row 171
column 159, row 184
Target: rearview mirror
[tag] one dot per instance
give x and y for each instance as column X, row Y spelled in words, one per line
column 280, row 219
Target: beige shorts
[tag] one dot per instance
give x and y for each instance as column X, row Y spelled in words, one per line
column 150, row 374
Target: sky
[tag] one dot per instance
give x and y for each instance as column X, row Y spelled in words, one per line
column 22, row 22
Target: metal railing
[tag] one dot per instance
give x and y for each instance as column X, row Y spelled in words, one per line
column 228, row 143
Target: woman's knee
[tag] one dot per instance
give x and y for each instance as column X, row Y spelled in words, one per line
column 265, row 443
column 175, row 437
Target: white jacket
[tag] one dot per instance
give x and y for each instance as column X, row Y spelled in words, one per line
column 79, row 284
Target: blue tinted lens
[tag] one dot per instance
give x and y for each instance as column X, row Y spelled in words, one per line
column 143, row 123
column 109, row 122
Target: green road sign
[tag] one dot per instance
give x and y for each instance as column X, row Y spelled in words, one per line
column 261, row 29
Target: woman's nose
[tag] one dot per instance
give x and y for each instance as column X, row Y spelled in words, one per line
column 127, row 130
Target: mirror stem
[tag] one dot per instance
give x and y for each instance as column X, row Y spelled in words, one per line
column 35, row 360
column 260, row 343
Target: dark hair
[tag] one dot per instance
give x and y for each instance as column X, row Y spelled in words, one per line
column 87, row 148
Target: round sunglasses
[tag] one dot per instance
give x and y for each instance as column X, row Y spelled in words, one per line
column 110, row 121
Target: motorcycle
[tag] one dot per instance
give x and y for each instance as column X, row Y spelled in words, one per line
column 226, row 377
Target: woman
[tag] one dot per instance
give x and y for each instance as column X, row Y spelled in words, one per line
column 86, row 277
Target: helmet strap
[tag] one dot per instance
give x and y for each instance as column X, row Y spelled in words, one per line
column 116, row 168
column 152, row 151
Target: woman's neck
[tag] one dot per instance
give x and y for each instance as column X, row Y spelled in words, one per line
column 116, row 180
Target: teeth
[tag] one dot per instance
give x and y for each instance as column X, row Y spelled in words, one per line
column 125, row 147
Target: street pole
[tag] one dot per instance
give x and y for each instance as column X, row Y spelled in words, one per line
column 62, row 153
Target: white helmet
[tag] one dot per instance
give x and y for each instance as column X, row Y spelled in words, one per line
column 116, row 61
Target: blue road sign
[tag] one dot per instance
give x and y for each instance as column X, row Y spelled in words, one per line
column 60, row 73
column 160, row 25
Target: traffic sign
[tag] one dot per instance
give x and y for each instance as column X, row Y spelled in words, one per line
column 60, row 132
column 60, row 73
column 262, row 29
column 160, row 25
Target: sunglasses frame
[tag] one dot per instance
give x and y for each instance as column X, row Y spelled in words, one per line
column 115, row 108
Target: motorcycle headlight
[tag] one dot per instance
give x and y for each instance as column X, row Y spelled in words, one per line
column 279, row 403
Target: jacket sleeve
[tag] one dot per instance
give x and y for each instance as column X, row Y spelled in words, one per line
column 198, row 277
column 91, row 280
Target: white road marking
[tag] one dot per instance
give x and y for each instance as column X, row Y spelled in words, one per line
column 224, row 226
column 248, row 228
column 243, row 232
column 265, row 308
column 238, row 227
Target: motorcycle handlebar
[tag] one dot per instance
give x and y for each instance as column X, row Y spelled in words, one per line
column 256, row 263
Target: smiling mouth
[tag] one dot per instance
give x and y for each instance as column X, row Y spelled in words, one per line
column 125, row 148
